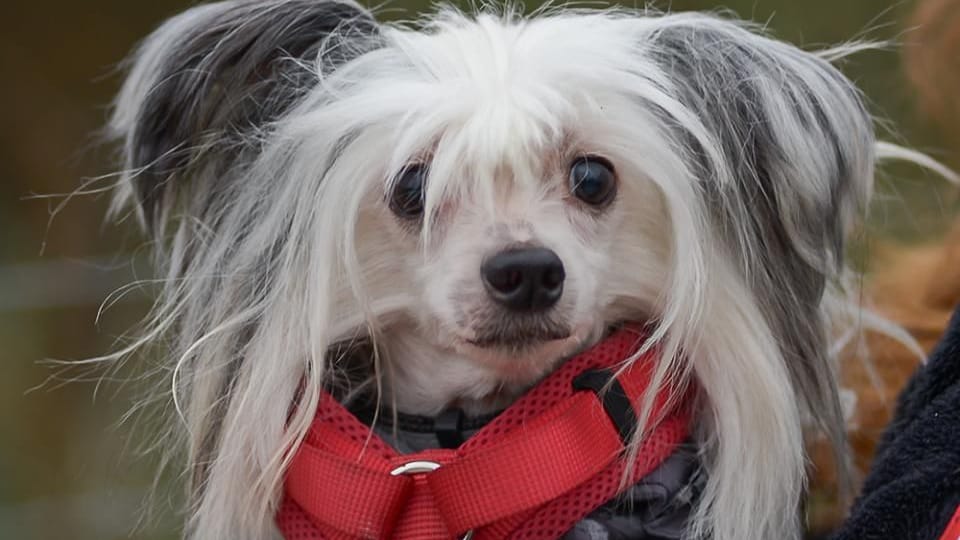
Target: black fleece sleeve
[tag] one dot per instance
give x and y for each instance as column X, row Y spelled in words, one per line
column 913, row 488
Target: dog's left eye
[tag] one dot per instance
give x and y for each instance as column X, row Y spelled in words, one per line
column 592, row 180
column 407, row 198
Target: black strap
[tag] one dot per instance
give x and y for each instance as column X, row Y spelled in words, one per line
column 612, row 396
column 448, row 428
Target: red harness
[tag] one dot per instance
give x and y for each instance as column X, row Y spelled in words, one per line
column 533, row 472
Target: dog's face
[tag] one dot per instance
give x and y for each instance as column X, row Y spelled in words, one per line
column 515, row 216
column 525, row 269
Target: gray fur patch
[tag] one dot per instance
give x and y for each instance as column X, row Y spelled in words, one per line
column 786, row 238
column 235, row 67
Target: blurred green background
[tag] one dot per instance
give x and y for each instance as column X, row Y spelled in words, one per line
column 69, row 468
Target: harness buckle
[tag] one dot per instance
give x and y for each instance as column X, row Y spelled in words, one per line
column 613, row 397
column 415, row 467
column 420, row 467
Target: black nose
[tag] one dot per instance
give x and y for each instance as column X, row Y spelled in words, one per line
column 528, row 279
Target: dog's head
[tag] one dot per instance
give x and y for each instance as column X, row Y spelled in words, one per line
column 482, row 197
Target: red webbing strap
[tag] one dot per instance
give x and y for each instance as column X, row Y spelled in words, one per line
column 343, row 482
column 562, row 512
column 952, row 532
column 559, row 516
column 319, row 479
column 554, row 454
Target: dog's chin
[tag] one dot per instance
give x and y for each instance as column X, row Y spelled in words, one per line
column 523, row 359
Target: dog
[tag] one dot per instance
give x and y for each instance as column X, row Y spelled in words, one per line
column 437, row 215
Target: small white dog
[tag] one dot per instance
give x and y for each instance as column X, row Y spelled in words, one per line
column 438, row 215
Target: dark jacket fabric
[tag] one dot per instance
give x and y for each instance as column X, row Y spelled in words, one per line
column 913, row 487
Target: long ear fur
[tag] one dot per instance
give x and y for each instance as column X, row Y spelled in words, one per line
column 204, row 84
column 205, row 91
column 783, row 175
column 800, row 146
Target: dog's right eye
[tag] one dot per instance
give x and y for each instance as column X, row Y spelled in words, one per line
column 407, row 198
column 593, row 181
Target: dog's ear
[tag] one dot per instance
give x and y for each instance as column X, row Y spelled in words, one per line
column 789, row 167
column 203, row 84
column 796, row 141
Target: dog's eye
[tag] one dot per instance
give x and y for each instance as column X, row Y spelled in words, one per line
column 407, row 198
column 592, row 180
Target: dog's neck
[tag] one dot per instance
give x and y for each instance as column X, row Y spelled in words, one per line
column 420, row 378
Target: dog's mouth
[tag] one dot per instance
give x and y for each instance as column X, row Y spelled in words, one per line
column 516, row 337
column 521, row 351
